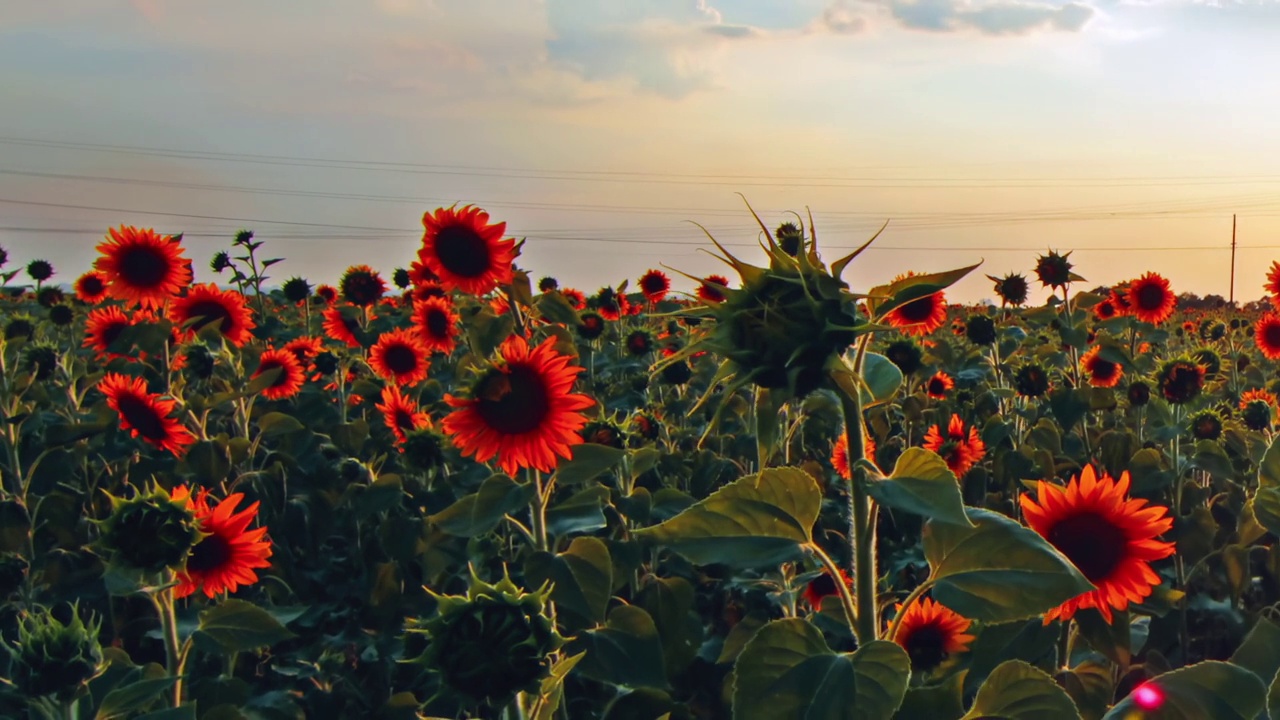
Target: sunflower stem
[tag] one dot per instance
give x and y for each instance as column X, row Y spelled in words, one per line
column 861, row 520
column 163, row 601
column 538, row 511
column 842, row 589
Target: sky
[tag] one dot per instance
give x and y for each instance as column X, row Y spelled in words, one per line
column 1128, row 131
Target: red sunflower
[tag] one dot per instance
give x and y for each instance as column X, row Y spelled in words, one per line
column 1266, row 334
column 931, row 633
column 229, row 553
column 327, row 293
column 1150, row 298
column 104, row 325
column 712, row 288
column 1256, row 394
column 1101, row 372
column 362, row 285
column 465, row 251
column 291, row 377
column 654, row 284
column 437, row 324
column 205, row 305
column 305, row 349
column 939, row 385
column 961, row 451
column 521, row 410
column 91, row 287
column 1105, row 310
column 420, row 274
column 840, row 454
column 401, row 413
column 142, row 266
column 576, row 298
column 341, row 327
column 145, row 414
column 920, row 316
column 824, row 586
column 1120, row 298
column 400, row 356
column 1109, row 537
column 1273, row 283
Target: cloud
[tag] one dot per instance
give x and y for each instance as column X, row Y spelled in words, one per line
column 733, row 32
column 841, row 19
column 1003, row 17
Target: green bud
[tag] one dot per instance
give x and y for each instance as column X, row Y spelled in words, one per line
column 55, row 654
column 149, row 533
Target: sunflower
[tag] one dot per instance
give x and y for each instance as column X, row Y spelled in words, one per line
column 400, row 356
column 1266, row 335
column 1151, row 299
column 939, row 385
column 960, row 451
column 824, row 586
column 145, row 414
column 1105, row 310
column 1257, row 394
column 229, row 553
column 305, row 349
column 521, row 410
column 1101, row 372
column 712, row 288
column 1273, row 283
column 930, row 633
column 465, row 251
column 401, row 413
column 104, row 325
column 576, row 298
column 437, row 324
column 654, row 284
column 205, row 305
column 341, row 327
column 1139, row 393
column 1031, row 381
column 1054, row 270
column 906, row 355
column 327, row 294
column 610, row 304
column 1011, row 288
column 840, row 454
column 920, row 316
column 142, row 266
column 420, row 274
column 91, row 287
column 1120, row 298
column 590, row 325
column 639, row 342
column 1181, row 380
column 1110, row 538
column 362, row 285
column 289, row 381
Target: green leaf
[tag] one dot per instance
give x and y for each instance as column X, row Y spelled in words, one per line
column 589, row 461
column 186, row 711
column 1018, row 691
column 1211, row 458
column 350, row 436
column 480, row 512
column 1269, row 468
column 880, row 378
column 240, row 626
column 1266, row 508
column 1069, row 405
column 787, row 671
column 1030, row 641
column 581, row 577
column 670, row 602
column 1260, row 651
column 758, row 520
column 264, row 381
column 901, row 292
column 579, row 513
column 133, row 697
column 278, row 423
column 15, row 526
column 1109, row 638
column 998, row 571
column 922, row 484
column 208, row 461
column 383, row 494
column 626, row 652
column 935, row 702
column 551, row 691
column 556, row 308
column 1090, row 686
column 1211, row 689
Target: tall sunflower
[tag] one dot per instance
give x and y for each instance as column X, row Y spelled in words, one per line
column 711, row 289
column 142, row 266
column 1150, row 298
column 1266, row 335
column 341, row 326
column 1108, row 536
column 230, row 552
column 145, row 414
column 961, row 451
column 400, row 356
column 206, row 305
column 654, row 284
column 401, row 413
column 466, row 252
column 521, row 410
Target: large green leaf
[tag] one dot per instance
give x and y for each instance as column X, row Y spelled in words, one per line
column 787, row 671
column 998, row 571
column 626, row 652
column 758, row 520
column 1266, row 508
column 122, row 701
column 588, row 461
column 1260, row 651
column 239, row 626
column 1269, row 468
column 1018, row 691
column 880, row 378
column 480, row 512
column 1212, row 689
column 921, row 483
column 884, row 298
column 670, row 602
column 581, row 577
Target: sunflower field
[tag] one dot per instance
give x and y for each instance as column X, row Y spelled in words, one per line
column 457, row 492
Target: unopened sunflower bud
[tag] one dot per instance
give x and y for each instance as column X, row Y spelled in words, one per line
column 149, row 533
column 56, row 653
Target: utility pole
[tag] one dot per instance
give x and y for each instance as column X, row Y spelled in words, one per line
column 1233, row 259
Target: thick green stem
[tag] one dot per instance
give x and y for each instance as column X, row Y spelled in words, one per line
column 163, row 601
column 862, row 528
column 538, row 511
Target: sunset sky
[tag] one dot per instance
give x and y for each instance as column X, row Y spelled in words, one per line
column 982, row 129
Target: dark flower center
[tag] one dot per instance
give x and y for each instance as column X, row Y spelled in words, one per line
column 651, row 284
column 1271, row 335
column 403, row 418
column 1150, row 297
column 1102, row 369
column 400, row 359
column 142, row 417
column 1092, row 543
column 144, row 267
column 822, row 586
column 514, row 402
column 211, row 553
column 111, row 332
column 438, row 323
column 918, row 311
column 462, row 251
column 927, row 647
column 92, row 285
column 937, row 387
column 207, row 311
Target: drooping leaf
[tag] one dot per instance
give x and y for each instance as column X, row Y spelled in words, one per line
column 581, row 577
column 788, row 671
column 589, row 461
column 1210, row 689
column 758, row 520
column 626, row 652
column 239, row 626
column 1260, row 651
column 481, row 511
column 922, row 484
column 999, row 570
column 1018, row 691
column 1269, row 468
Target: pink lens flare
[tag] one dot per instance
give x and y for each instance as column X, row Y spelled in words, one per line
column 1148, row 697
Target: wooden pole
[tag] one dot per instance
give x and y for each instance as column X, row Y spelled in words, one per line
column 1233, row 258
